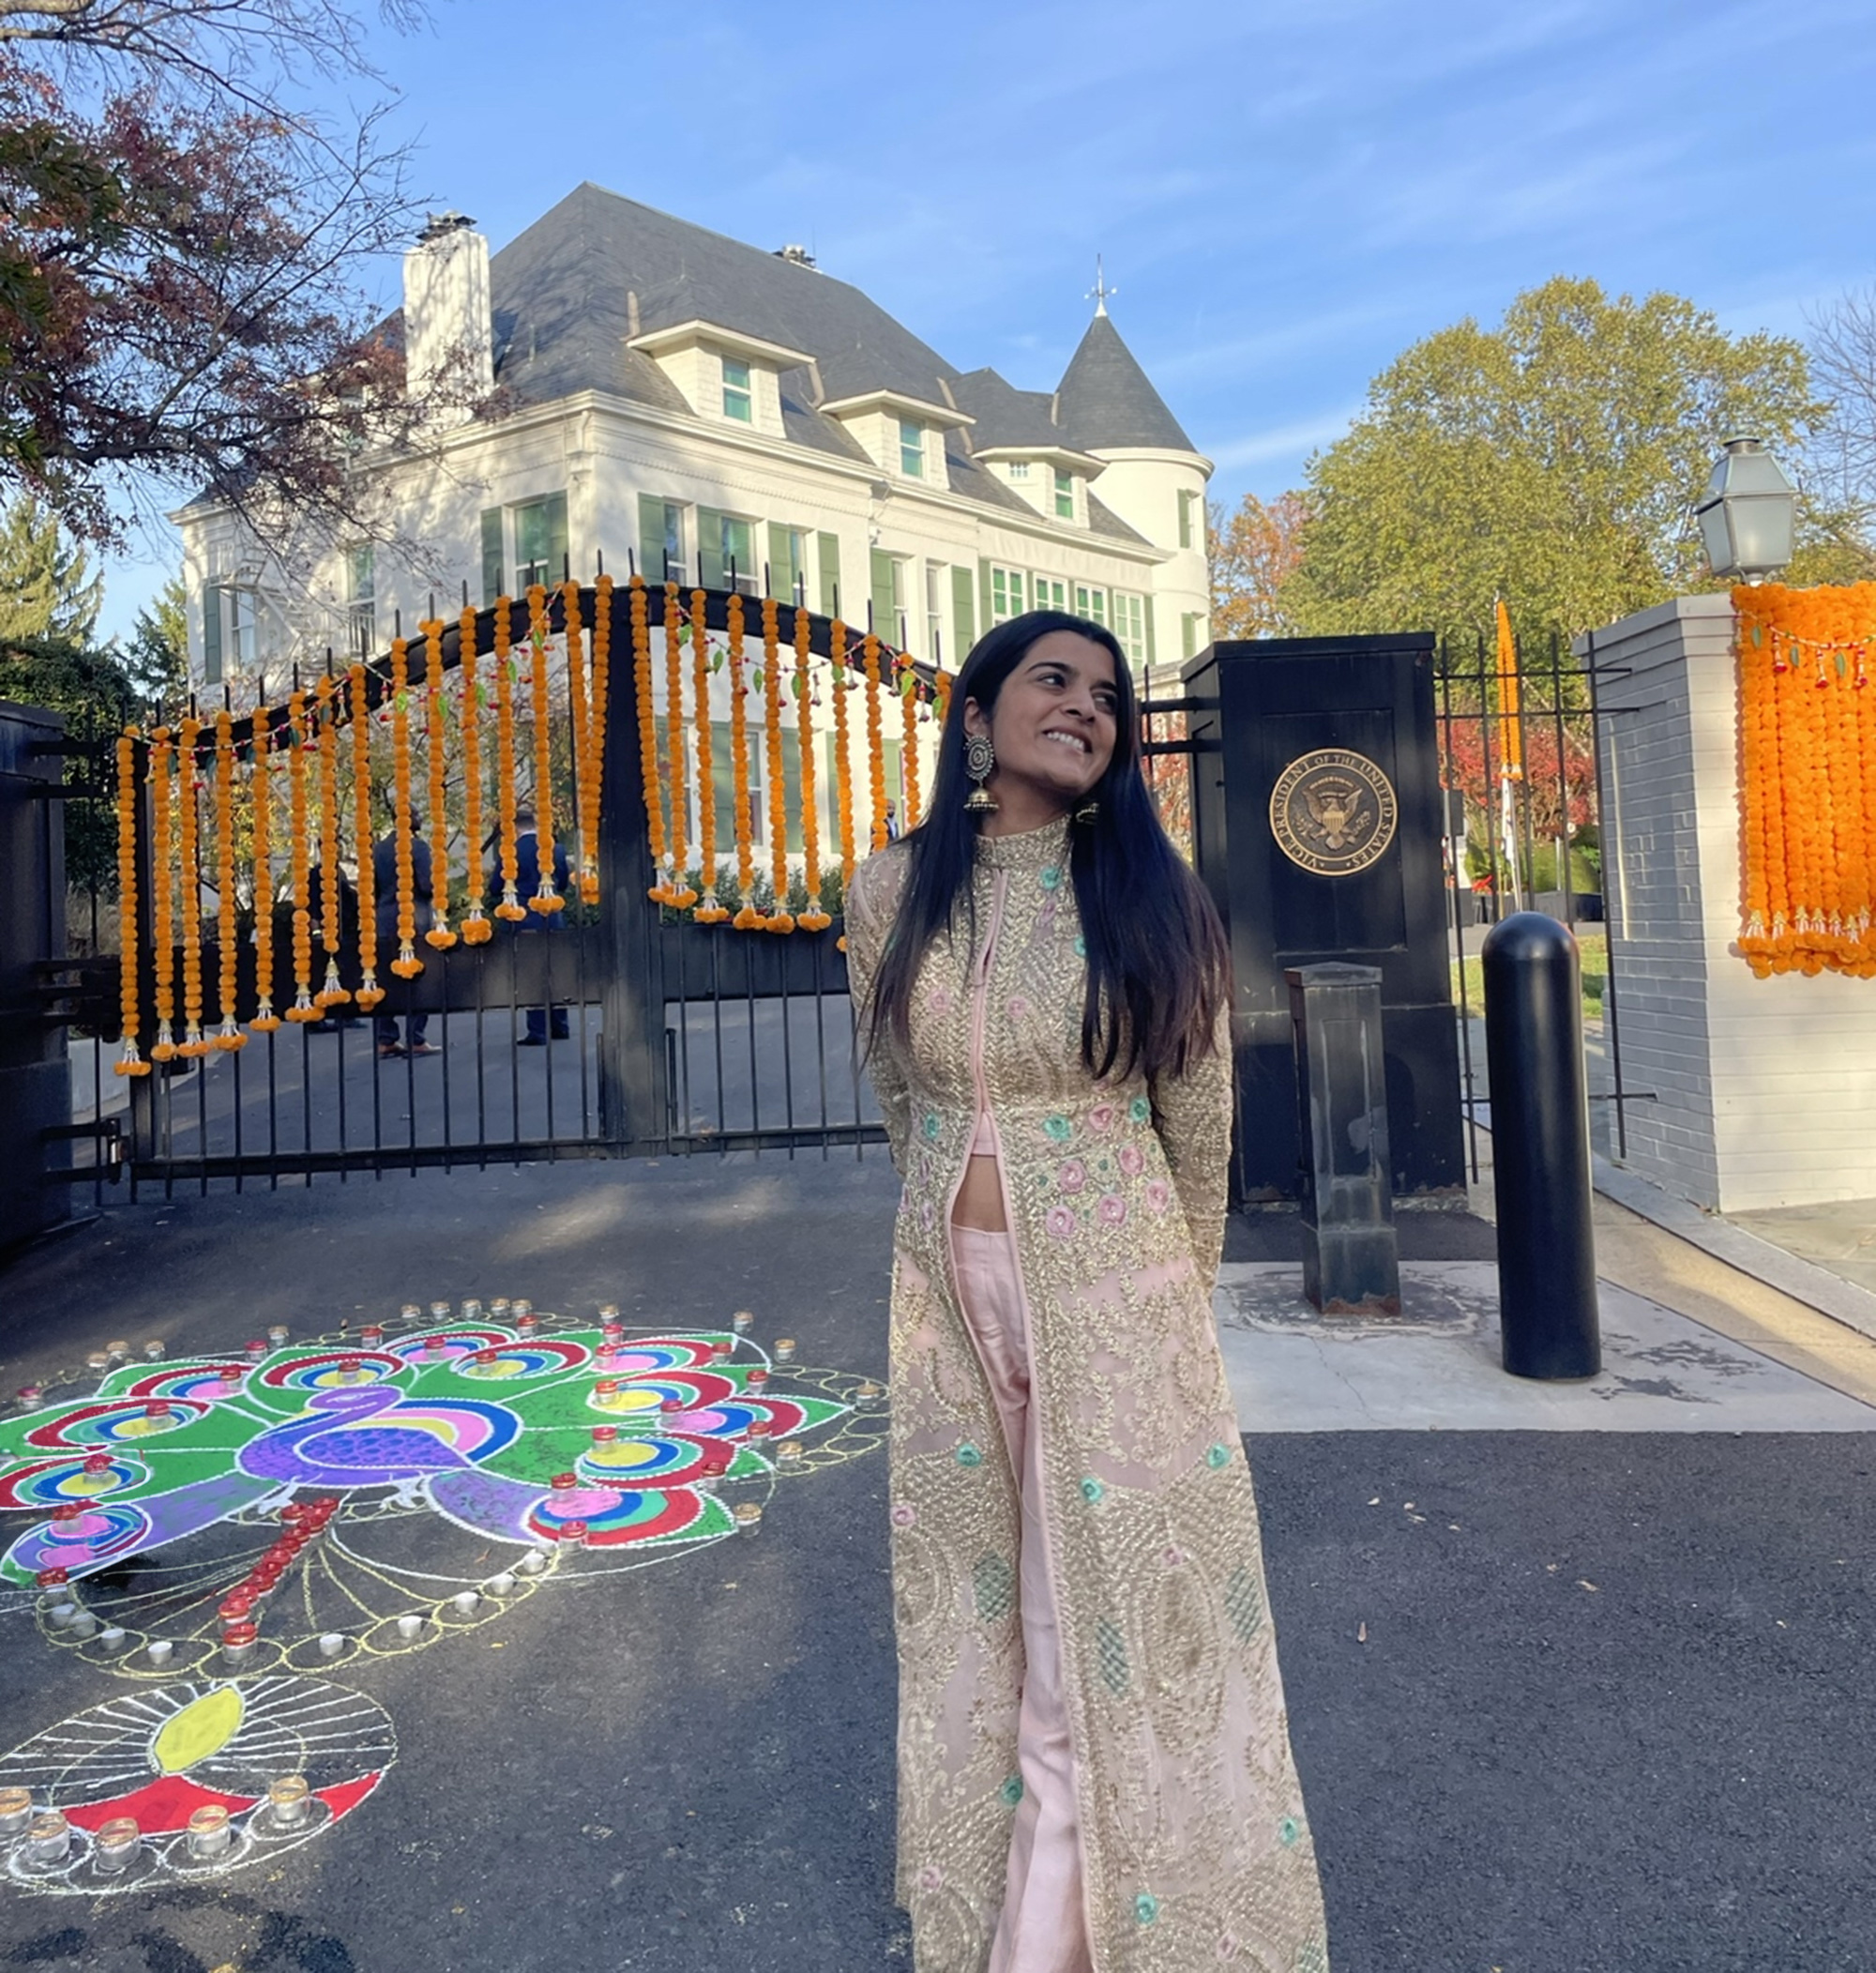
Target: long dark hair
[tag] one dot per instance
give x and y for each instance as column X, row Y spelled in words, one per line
column 1159, row 969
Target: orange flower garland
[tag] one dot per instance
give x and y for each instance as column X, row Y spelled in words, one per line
column 265, row 1021
column 331, row 992
column 814, row 918
column 1808, row 779
column 439, row 937
column 406, row 966
column 747, row 918
column 189, row 817
column 228, row 1035
column 582, row 731
column 369, row 992
column 711, row 911
column 546, row 899
column 843, row 778
column 875, row 739
column 779, row 919
column 510, row 909
column 908, row 769
column 648, row 773
column 940, row 685
column 595, row 748
column 477, row 929
column 163, row 922
column 677, row 891
column 303, row 1008
column 129, row 1060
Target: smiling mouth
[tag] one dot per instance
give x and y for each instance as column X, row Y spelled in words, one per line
column 1069, row 739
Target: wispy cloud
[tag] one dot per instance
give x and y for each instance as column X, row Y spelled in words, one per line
column 1293, row 441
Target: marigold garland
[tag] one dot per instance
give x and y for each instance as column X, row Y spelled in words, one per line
column 129, row 1060
column 780, row 919
column 439, row 937
column 747, row 918
column 303, row 1008
column 406, row 966
column 814, row 918
column 711, row 911
column 369, row 992
column 595, row 713
column 940, row 687
column 265, row 1021
column 547, row 897
column 511, row 910
column 677, row 891
column 477, row 929
column 649, row 778
column 908, row 764
column 163, row 918
column 583, row 821
column 188, row 822
column 1808, row 779
column 843, row 778
column 875, row 738
column 228, row 1035
column 332, row 991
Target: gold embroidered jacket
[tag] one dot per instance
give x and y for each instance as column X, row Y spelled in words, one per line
column 1196, row 1849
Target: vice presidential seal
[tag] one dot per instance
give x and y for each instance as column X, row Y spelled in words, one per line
column 1332, row 811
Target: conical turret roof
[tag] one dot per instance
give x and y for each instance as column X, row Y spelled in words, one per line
column 1106, row 400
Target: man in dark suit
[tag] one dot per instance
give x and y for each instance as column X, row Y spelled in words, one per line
column 385, row 878
column 527, row 881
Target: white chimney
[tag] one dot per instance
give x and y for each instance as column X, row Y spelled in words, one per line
column 448, row 334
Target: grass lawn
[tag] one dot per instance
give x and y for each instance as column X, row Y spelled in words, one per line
column 1592, row 943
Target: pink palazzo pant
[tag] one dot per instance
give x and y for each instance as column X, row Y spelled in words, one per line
column 1043, row 1928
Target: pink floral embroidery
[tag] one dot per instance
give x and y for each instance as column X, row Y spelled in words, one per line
column 1133, row 1160
column 904, row 1515
column 1018, row 1007
column 1102, row 1117
column 939, row 1001
column 1112, row 1212
column 1158, row 1195
column 1072, row 1176
column 1172, row 1556
column 1061, row 1223
column 931, row 1878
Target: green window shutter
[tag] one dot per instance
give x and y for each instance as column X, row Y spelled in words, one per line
column 211, row 633
column 830, row 574
column 651, row 537
column 988, row 615
column 711, row 573
column 559, row 562
column 1146, row 610
column 780, row 562
column 1186, row 622
column 885, row 619
column 963, row 615
column 492, row 577
column 1185, row 518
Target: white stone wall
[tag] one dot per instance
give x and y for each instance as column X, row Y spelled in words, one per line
column 1766, row 1089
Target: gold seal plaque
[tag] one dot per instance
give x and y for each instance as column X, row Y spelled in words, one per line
column 1332, row 811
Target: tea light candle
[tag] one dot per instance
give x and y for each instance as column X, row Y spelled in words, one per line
column 61, row 1615
column 870, row 1392
column 748, row 1517
column 83, row 1624
column 784, row 1349
column 30, row 1395
column 112, row 1637
column 209, row 1833
column 521, row 1309
column 466, row 1601
column 472, row 1311
column 117, row 1841
column 288, row 1799
column 371, row 1335
column 161, row 1650
column 789, row 1451
column 411, row 1311
column 609, row 1311
column 573, row 1531
column 257, row 1349
column 606, row 1393
column 742, row 1321
column 500, row 1306
column 48, row 1837
column 278, row 1334
column 761, row 1428
column 439, row 1312
column 16, row 1811
column 720, row 1347
column 98, row 1360
column 533, row 1562
column 118, row 1350
column 410, row 1627
column 502, row 1584
column 757, row 1379
column 331, row 1644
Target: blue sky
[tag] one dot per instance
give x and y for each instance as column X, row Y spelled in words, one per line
column 1286, row 195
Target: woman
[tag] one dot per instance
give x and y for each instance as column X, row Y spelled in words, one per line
column 1095, row 1770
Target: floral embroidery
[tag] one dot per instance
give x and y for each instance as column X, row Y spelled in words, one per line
column 1072, row 1176
column 1092, row 1491
column 1147, row 1908
column 1112, row 1212
column 1080, row 947
column 1140, row 1110
column 1102, row 1117
column 1018, row 1007
column 932, row 1127
column 1058, row 1129
column 1061, row 1223
column 931, row 1878
column 1011, row 1791
column 904, row 1515
column 1133, row 1160
column 1158, row 1195
column 1051, row 877
column 1288, row 1831
column 968, row 1455
column 1228, row 1947
column 1215, row 1457
column 1172, row 1555
column 939, row 1001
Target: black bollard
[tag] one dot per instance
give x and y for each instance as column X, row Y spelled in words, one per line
column 1540, row 1149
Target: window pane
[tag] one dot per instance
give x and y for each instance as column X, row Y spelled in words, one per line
column 736, row 399
column 1019, row 469
column 911, row 449
column 739, row 553
column 1064, row 497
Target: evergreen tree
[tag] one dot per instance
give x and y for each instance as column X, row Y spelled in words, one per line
column 47, row 587
column 155, row 658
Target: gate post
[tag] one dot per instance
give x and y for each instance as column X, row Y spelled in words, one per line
column 35, row 1075
column 634, row 1074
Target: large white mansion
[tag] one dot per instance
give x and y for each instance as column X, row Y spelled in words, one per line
column 717, row 413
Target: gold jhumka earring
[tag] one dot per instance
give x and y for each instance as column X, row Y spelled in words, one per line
column 979, row 763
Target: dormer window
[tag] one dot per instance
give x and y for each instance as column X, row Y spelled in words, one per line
column 911, row 448
column 1019, row 469
column 1065, row 495
column 738, row 400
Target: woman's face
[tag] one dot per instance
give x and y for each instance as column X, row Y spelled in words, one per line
column 1056, row 720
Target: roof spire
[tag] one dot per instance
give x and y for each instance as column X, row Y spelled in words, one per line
column 1100, row 291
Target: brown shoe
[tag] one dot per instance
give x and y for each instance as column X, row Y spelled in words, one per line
column 423, row 1048
column 389, row 1051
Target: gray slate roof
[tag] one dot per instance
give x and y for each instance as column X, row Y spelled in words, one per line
column 1107, row 399
column 559, row 294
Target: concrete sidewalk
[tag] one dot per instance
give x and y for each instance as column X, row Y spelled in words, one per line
column 1564, row 1698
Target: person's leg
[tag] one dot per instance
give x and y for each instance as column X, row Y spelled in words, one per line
column 386, row 1028
column 416, row 1026
column 562, row 1032
column 536, row 1026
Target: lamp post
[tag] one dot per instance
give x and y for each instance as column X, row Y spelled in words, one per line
column 1745, row 518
